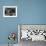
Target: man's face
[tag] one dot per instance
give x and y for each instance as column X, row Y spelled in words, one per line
column 10, row 11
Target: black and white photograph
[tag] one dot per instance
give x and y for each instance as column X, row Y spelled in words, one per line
column 29, row 34
column 9, row 11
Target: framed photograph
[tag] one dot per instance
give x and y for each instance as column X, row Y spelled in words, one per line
column 33, row 32
column 9, row 11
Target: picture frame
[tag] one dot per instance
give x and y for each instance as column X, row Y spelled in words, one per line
column 9, row 11
column 39, row 28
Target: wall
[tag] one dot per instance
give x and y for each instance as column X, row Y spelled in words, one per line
column 29, row 12
column 7, row 25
